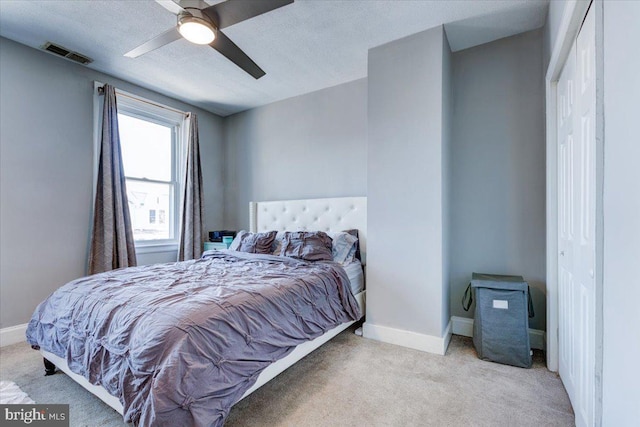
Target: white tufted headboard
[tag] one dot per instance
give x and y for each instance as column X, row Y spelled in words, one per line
column 334, row 214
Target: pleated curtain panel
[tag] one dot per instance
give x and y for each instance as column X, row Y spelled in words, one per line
column 191, row 230
column 112, row 244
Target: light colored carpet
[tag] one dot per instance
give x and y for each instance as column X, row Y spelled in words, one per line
column 352, row 381
column 10, row 394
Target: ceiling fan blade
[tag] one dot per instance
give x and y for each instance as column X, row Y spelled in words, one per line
column 231, row 12
column 171, row 6
column 192, row 4
column 229, row 49
column 167, row 37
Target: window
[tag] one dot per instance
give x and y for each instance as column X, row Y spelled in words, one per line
column 151, row 142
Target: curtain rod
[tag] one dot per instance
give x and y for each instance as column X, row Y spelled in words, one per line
column 146, row 101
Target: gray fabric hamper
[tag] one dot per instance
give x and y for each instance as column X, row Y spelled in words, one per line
column 501, row 319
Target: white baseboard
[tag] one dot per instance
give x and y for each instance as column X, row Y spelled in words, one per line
column 538, row 339
column 428, row 343
column 13, row 335
column 464, row 326
column 447, row 336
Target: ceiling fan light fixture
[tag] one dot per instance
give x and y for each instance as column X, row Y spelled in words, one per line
column 196, row 30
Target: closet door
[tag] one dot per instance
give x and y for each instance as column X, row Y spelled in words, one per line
column 576, row 214
column 566, row 224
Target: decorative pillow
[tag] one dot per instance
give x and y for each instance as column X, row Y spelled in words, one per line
column 258, row 243
column 236, row 240
column 354, row 232
column 276, row 247
column 307, row 245
column 344, row 247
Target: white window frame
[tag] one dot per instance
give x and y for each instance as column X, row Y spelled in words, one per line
column 144, row 109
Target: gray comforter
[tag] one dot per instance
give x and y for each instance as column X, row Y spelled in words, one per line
column 180, row 343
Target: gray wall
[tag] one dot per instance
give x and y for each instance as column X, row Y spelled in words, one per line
column 447, row 171
column 621, row 205
column 313, row 145
column 310, row 146
column 405, row 185
column 498, row 167
column 46, row 137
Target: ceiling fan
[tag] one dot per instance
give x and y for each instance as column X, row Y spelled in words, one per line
column 201, row 23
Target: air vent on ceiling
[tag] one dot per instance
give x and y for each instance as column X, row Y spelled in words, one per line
column 66, row 53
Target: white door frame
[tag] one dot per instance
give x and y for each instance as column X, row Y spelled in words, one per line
column 571, row 21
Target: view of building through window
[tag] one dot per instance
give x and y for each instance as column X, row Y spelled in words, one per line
column 147, row 156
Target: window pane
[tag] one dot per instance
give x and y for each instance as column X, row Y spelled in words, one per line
column 146, row 148
column 146, row 199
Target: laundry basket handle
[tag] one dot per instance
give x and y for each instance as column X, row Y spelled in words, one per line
column 467, row 299
column 531, row 312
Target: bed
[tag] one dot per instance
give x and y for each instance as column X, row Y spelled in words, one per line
column 327, row 215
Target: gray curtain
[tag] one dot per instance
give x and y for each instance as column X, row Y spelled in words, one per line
column 112, row 244
column 191, row 230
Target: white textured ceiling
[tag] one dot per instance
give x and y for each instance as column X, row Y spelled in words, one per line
column 303, row 47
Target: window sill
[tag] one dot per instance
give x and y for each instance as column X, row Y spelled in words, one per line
column 156, row 248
